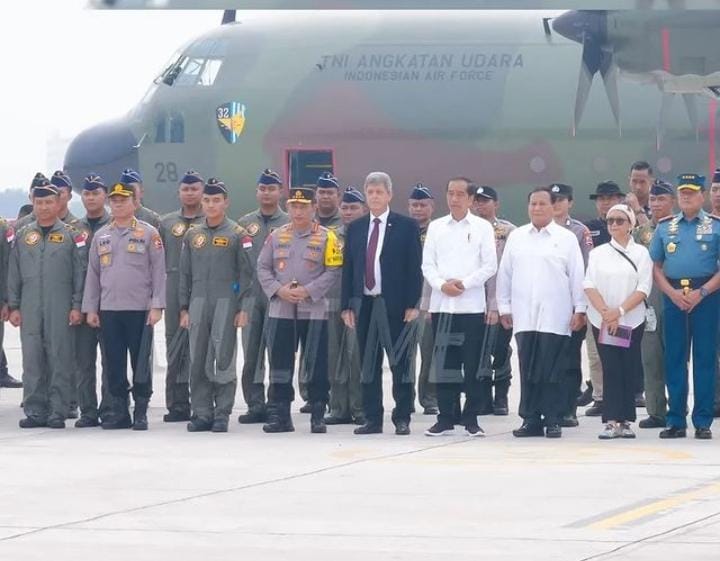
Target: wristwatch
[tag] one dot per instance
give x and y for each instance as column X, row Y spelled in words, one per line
column 622, row 311
column 703, row 291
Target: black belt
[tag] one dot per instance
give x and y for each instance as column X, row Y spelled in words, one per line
column 694, row 282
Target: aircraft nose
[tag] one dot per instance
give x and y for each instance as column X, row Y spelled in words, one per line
column 106, row 149
column 577, row 24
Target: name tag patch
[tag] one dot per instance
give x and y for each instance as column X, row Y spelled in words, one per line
column 220, row 241
column 56, row 238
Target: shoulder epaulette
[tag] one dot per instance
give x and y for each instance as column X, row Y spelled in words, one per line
column 665, row 218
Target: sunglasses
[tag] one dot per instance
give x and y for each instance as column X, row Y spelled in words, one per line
column 618, row 221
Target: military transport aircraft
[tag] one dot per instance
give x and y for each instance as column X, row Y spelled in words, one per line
column 510, row 98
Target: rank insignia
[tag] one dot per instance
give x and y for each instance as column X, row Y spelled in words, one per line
column 178, row 229
column 32, row 238
column 199, row 241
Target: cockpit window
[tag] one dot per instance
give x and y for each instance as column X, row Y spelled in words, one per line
column 198, row 65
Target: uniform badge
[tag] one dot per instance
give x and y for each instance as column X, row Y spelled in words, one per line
column 247, row 242
column 81, row 239
column 157, row 241
column 646, row 237
column 253, row 229
column 105, row 259
column 671, row 247
column 281, row 265
column 199, row 241
column 220, row 241
column 704, row 247
column 178, row 229
column 56, row 237
column 138, row 233
column 32, row 238
column 231, row 120
column 10, row 235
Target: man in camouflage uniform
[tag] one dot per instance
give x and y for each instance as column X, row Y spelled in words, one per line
column 258, row 225
column 45, row 287
column 573, row 374
column 173, row 227
column 297, row 267
column 133, row 179
column 662, row 202
column 87, row 340
column 421, row 206
column 215, row 273
column 497, row 341
column 344, row 358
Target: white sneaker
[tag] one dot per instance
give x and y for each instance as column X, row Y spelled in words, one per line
column 611, row 431
column 626, row 431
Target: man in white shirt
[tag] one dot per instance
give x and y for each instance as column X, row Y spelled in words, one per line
column 540, row 296
column 458, row 258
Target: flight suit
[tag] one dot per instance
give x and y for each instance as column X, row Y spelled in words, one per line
column 144, row 214
column 653, row 346
column 343, row 358
column 69, row 218
column 173, row 228
column 215, row 274
column 573, row 373
column 689, row 250
column 313, row 259
column 7, row 235
column 496, row 372
column 426, row 392
column 87, row 340
column 45, row 282
column 258, row 227
column 125, row 279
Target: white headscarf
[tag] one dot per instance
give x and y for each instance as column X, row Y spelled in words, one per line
column 626, row 210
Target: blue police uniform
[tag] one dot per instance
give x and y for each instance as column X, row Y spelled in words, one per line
column 689, row 250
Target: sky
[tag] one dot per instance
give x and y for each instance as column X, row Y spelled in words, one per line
column 66, row 68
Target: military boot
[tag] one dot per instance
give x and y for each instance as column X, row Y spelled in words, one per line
column 140, row 421
column 119, row 415
column 278, row 415
column 317, row 418
column 500, row 402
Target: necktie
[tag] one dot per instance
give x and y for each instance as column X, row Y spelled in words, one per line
column 370, row 255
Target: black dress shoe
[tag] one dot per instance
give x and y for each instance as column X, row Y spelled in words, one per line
column 199, row 425
column 369, row 428
column 528, row 429
column 56, row 423
column 359, row 420
column 703, row 434
column 500, row 406
column 86, row 421
column 7, row 381
column 569, row 421
column 673, row 432
column 594, row 411
column 585, row 398
column 176, row 416
column 652, row 422
column 219, row 425
column 553, row 431
column 333, row 420
column 402, row 428
column 253, row 416
column 430, row 411
column 32, row 423
column 307, row 408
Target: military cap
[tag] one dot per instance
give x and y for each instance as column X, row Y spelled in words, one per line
column 215, row 187
column 191, row 176
column 691, row 181
column 45, row 189
column 39, row 180
column 327, row 181
column 660, row 187
column 93, row 182
column 122, row 190
column 420, row 192
column 130, row 176
column 485, row 192
column 562, row 190
column 607, row 189
column 352, row 195
column 716, row 176
column 301, row 195
column 269, row 177
column 61, row 179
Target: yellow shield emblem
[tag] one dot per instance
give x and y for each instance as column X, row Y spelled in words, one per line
column 178, row 229
column 199, row 241
column 32, row 238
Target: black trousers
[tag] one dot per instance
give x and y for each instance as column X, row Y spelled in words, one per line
column 542, row 369
column 123, row 332
column 283, row 337
column 572, row 380
column 378, row 329
column 457, row 354
column 621, row 369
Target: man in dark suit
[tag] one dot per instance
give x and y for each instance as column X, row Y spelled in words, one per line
column 381, row 288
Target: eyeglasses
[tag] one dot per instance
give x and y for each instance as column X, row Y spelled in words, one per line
column 618, row 221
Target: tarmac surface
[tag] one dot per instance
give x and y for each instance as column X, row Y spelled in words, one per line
column 83, row 494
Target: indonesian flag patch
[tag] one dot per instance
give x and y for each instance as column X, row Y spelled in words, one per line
column 81, row 239
column 247, row 242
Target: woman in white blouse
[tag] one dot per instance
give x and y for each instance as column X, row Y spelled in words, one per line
column 617, row 282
